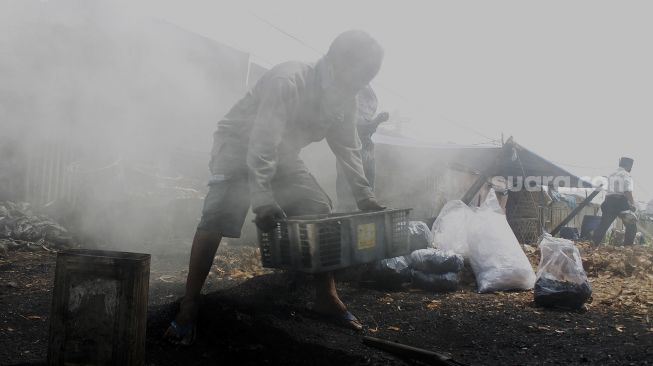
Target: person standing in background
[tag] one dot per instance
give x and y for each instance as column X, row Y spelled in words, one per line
column 619, row 199
column 367, row 123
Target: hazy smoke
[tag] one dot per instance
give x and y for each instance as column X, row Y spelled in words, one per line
column 135, row 99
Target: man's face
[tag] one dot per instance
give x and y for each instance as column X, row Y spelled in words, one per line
column 350, row 78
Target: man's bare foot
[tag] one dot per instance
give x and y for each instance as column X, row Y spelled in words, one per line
column 182, row 330
column 333, row 310
column 330, row 305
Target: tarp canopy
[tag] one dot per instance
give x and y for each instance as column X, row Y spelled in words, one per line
column 518, row 161
column 509, row 160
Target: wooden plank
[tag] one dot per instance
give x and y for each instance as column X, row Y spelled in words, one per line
column 473, row 190
column 575, row 212
column 419, row 354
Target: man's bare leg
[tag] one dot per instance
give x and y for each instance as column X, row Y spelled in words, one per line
column 328, row 303
column 205, row 245
column 326, row 295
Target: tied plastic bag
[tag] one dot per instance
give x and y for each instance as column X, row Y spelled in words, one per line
column 450, row 228
column 390, row 273
column 436, row 261
column 497, row 259
column 484, row 237
column 420, row 235
column 561, row 279
column 435, row 282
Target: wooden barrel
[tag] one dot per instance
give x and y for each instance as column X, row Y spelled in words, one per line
column 99, row 308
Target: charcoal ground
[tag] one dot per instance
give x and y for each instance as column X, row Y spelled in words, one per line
column 262, row 318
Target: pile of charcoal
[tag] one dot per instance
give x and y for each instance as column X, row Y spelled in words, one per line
column 563, row 294
column 21, row 227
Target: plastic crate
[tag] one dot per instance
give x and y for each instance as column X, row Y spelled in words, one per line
column 325, row 243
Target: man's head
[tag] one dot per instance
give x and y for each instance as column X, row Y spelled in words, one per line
column 626, row 163
column 355, row 59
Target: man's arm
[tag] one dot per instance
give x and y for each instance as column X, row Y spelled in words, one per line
column 381, row 117
column 276, row 105
column 628, row 192
column 368, row 128
column 345, row 144
column 631, row 199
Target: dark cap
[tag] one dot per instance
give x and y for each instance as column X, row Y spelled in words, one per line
column 626, row 163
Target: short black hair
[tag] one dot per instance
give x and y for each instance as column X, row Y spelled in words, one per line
column 353, row 45
column 356, row 48
column 626, row 163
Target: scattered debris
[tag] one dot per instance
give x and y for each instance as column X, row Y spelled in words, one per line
column 167, row 278
column 620, row 277
column 238, row 262
column 21, row 227
column 617, row 261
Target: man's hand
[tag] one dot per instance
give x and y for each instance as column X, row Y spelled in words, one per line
column 369, row 204
column 267, row 216
column 382, row 117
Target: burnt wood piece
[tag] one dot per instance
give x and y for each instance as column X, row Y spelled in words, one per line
column 402, row 350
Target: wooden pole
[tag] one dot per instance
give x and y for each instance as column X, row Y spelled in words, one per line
column 419, row 354
column 491, row 171
column 471, row 192
column 575, row 212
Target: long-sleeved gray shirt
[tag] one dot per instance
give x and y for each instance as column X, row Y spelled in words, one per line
column 290, row 107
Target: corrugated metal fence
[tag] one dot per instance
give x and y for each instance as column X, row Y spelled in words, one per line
column 50, row 173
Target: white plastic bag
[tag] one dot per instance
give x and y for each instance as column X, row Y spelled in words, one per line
column 561, row 279
column 498, row 261
column 484, row 237
column 450, row 228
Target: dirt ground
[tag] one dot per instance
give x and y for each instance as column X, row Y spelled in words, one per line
column 256, row 316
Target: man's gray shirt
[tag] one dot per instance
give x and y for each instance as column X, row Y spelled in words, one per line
column 287, row 110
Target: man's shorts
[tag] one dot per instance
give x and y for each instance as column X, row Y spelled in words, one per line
column 227, row 202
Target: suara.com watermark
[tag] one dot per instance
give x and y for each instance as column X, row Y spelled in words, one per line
column 535, row 183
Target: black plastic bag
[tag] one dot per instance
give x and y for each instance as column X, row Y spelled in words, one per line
column 561, row 281
column 561, row 294
column 435, row 282
column 570, row 233
column 436, row 261
column 420, row 235
column 389, row 273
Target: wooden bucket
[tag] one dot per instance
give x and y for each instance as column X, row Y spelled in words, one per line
column 99, row 308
